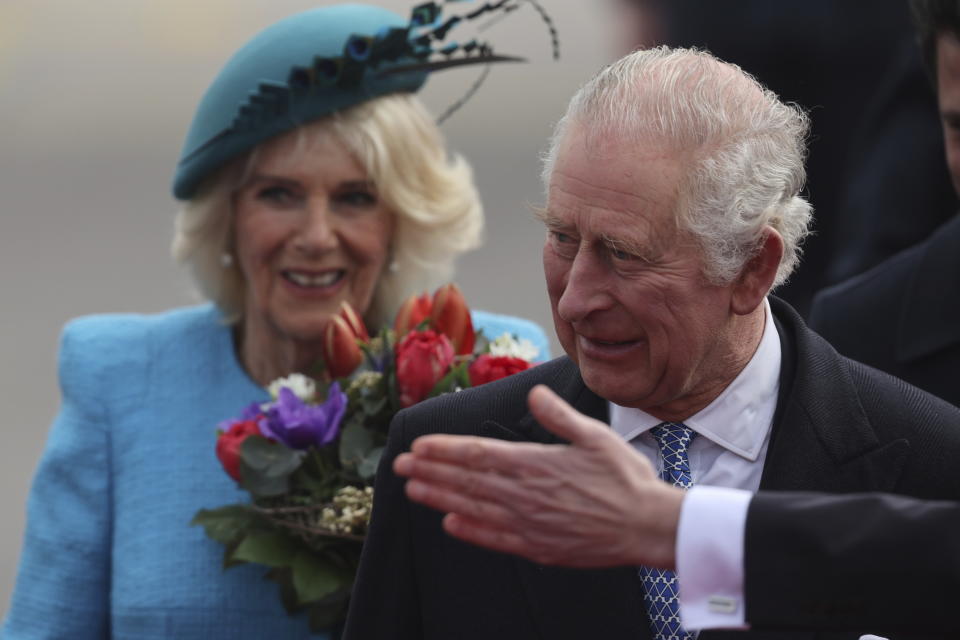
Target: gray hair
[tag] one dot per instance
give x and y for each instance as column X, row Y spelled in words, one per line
column 744, row 149
column 437, row 207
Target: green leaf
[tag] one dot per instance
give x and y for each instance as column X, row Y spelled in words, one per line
column 372, row 405
column 314, row 577
column 271, row 548
column 226, row 524
column 228, row 560
column 367, row 468
column 283, row 576
column 451, row 381
column 355, row 442
column 317, row 474
column 265, row 467
column 463, row 376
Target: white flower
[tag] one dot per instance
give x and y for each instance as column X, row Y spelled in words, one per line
column 507, row 345
column 302, row 386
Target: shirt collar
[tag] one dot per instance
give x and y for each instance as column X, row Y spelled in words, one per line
column 741, row 416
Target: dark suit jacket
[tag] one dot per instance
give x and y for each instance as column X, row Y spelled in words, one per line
column 888, row 562
column 839, row 427
column 902, row 316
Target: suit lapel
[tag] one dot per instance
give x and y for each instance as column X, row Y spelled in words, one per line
column 566, row 383
column 822, row 440
column 564, row 602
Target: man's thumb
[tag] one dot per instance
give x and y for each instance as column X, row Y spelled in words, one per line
column 560, row 418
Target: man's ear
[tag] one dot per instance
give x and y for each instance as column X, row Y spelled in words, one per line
column 757, row 276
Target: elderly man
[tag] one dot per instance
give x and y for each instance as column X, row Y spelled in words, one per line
column 672, row 210
column 893, row 562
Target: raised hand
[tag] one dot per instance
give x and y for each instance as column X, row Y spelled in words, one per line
column 592, row 503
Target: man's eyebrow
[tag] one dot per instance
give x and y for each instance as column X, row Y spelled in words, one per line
column 553, row 222
column 645, row 251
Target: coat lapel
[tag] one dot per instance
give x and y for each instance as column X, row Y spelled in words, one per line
column 567, row 603
column 566, row 383
column 822, row 440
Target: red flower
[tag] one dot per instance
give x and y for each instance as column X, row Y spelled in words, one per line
column 451, row 317
column 341, row 353
column 488, row 368
column 228, row 445
column 447, row 313
column 413, row 311
column 354, row 321
column 423, row 358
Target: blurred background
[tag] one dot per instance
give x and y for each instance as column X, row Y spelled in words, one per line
column 95, row 98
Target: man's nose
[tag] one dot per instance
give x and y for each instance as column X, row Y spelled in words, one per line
column 586, row 288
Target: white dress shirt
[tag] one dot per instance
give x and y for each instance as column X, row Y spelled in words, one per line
column 733, row 435
column 711, row 533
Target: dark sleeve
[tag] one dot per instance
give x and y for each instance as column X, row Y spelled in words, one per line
column 873, row 563
column 385, row 602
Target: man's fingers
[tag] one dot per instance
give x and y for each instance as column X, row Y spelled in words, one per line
column 473, row 452
column 480, row 484
column 561, row 419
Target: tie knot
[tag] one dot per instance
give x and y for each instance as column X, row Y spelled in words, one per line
column 674, row 438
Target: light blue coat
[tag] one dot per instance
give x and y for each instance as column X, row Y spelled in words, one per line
column 108, row 550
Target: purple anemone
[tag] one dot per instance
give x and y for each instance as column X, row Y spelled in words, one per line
column 299, row 425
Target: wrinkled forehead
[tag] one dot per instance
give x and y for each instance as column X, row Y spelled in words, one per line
column 602, row 161
column 605, row 187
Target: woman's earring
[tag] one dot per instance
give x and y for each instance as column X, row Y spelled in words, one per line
column 393, row 267
column 226, row 260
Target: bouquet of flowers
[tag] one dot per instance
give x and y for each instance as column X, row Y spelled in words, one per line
column 308, row 457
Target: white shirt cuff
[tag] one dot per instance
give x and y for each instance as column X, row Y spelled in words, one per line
column 710, row 540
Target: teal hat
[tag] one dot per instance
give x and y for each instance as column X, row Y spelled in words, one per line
column 289, row 74
column 311, row 64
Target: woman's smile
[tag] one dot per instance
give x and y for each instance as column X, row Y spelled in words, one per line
column 312, row 279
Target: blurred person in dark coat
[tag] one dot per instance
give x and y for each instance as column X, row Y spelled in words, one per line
column 903, row 316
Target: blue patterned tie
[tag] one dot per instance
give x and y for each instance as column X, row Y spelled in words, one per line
column 660, row 587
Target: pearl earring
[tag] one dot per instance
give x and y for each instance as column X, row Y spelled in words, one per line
column 226, row 260
column 393, row 267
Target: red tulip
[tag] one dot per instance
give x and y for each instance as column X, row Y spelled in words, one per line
column 423, row 358
column 354, row 321
column 488, row 368
column 229, row 442
column 451, row 317
column 341, row 353
column 413, row 311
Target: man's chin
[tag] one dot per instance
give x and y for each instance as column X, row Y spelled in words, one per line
column 615, row 386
